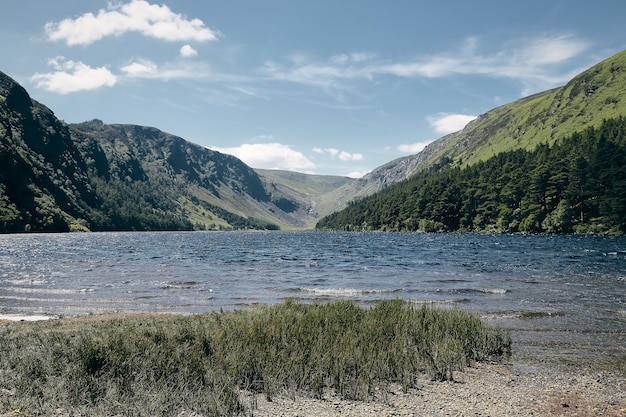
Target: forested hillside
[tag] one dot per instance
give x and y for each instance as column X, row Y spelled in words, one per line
column 576, row 185
column 589, row 98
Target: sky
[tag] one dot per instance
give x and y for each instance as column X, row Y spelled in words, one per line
column 332, row 87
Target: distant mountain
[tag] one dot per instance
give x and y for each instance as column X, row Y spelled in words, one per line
column 94, row 176
column 313, row 194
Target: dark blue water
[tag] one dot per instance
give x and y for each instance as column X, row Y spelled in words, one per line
column 553, row 290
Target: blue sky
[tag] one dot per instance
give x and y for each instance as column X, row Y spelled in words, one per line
column 334, row 87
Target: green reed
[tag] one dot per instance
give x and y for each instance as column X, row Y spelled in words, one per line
column 161, row 365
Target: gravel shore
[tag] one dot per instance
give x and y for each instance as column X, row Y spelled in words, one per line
column 482, row 390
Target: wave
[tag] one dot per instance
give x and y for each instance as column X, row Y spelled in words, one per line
column 488, row 291
column 24, row 281
column 57, row 291
column 343, row 292
column 497, row 291
column 178, row 285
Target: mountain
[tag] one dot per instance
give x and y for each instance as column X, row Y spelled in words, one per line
column 95, row 176
column 44, row 184
column 594, row 95
column 315, row 193
column 564, row 166
column 575, row 185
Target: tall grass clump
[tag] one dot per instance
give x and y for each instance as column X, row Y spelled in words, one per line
column 161, row 365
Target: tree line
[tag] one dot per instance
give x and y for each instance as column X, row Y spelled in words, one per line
column 577, row 185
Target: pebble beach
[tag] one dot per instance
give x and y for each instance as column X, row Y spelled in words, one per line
column 494, row 390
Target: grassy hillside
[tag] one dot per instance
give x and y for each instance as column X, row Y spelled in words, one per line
column 587, row 100
column 592, row 96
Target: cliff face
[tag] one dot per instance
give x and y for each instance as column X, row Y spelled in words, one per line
column 43, row 178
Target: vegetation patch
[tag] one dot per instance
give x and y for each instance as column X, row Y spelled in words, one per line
column 162, row 365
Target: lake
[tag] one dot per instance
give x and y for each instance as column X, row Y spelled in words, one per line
column 561, row 295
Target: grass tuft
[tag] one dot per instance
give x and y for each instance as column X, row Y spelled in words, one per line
column 162, row 365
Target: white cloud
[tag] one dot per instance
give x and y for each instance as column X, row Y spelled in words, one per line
column 150, row 20
column 413, row 148
column 547, row 51
column 71, row 77
column 358, row 174
column 444, row 123
column 182, row 69
column 187, row 51
column 342, row 155
column 270, row 156
column 139, row 69
column 534, row 62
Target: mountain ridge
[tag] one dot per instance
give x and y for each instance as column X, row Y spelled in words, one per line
column 544, row 117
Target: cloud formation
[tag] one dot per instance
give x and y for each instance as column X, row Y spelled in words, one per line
column 139, row 16
column 413, row 148
column 187, row 51
column 270, row 156
column 141, row 68
column 71, row 76
column 336, row 153
column 533, row 62
column 444, row 123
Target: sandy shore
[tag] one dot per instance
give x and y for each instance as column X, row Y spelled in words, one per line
column 483, row 390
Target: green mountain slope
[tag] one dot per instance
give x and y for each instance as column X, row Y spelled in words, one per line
column 581, row 107
column 312, row 194
column 596, row 94
column 139, row 169
column 44, row 184
column 588, row 99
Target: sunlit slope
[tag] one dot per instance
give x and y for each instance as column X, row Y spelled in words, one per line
column 592, row 96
